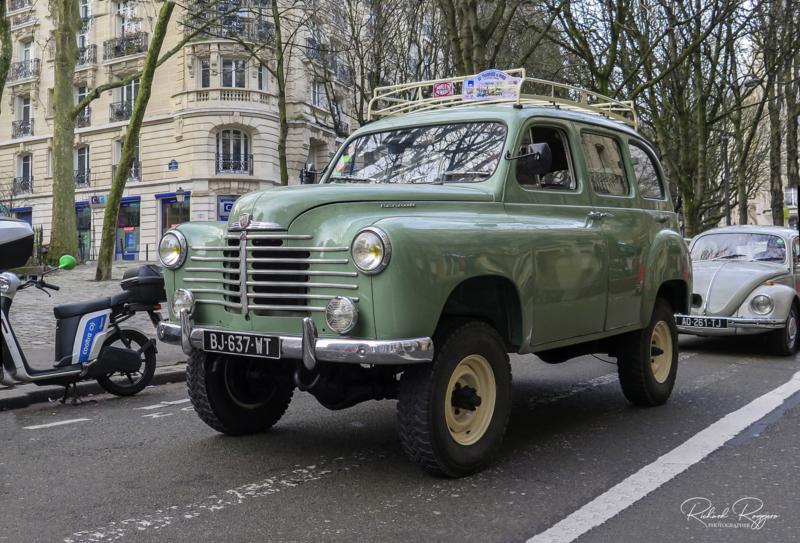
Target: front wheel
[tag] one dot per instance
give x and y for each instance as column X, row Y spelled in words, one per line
column 453, row 412
column 648, row 363
column 237, row 395
column 125, row 383
column 784, row 342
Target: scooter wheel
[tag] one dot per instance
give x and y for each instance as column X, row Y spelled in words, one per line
column 128, row 384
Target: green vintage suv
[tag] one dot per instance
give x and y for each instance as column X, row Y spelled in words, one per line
column 461, row 226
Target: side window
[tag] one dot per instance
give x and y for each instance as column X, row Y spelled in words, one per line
column 604, row 165
column 560, row 176
column 646, row 173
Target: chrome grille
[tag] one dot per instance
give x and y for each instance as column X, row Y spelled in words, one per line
column 277, row 271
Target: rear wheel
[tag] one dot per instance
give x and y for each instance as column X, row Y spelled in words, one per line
column 125, row 383
column 648, row 363
column 453, row 412
column 784, row 342
column 237, row 395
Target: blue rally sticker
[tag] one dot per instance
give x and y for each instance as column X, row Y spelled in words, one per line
column 93, row 327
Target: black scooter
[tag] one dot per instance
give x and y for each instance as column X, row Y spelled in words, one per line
column 90, row 343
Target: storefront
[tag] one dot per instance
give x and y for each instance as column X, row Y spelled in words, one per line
column 83, row 218
column 173, row 212
column 23, row 214
column 224, row 207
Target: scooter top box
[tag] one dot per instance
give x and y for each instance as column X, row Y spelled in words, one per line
column 146, row 285
column 16, row 243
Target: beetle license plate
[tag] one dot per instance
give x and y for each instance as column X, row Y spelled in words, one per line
column 242, row 344
column 702, row 322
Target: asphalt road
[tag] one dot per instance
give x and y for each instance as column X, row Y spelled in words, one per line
column 146, row 468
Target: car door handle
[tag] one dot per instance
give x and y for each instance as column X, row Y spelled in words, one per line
column 597, row 215
column 663, row 219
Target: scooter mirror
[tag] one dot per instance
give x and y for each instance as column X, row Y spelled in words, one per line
column 67, row 262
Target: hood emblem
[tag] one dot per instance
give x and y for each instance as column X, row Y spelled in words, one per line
column 244, row 221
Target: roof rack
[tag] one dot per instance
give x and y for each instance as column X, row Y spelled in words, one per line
column 420, row 96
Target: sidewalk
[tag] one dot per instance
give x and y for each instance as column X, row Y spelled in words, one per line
column 35, row 326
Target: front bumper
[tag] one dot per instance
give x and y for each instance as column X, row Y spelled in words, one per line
column 309, row 348
column 749, row 325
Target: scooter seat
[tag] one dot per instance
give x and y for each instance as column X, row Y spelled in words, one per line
column 82, row 308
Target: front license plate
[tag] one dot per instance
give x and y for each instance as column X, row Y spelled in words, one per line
column 242, row 344
column 702, row 322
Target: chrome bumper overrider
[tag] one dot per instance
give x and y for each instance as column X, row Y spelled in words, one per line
column 353, row 351
column 734, row 322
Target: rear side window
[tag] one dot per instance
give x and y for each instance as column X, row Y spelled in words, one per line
column 646, row 173
column 604, row 165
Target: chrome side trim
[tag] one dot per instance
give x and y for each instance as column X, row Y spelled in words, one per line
column 388, row 352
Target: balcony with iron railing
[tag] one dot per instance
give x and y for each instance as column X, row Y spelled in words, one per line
column 84, row 118
column 15, row 5
column 239, row 164
column 134, row 175
column 130, row 44
column 87, row 56
column 22, row 128
column 231, row 27
column 23, row 70
column 22, row 185
column 83, row 179
column 120, row 111
column 23, row 19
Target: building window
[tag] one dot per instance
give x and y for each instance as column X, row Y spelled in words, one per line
column 23, row 126
column 233, row 152
column 174, row 213
column 233, row 73
column 262, row 77
column 318, row 94
column 23, row 183
column 136, row 168
column 82, row 171
column 26, row 51
column 205, row 73
column 122, row 109
column 127, row 20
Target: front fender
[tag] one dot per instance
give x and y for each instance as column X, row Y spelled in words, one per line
column 782, row 297
column 667, row 261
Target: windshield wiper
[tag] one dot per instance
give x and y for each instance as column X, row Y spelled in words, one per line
column 769, row 259
column 351, row 179
column 727, row 257
column 467, row 173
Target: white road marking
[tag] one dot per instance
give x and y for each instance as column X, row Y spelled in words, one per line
column 162, row 405
column 651, row 477
column 149, row 407
column 157, row 415
column 52, row 424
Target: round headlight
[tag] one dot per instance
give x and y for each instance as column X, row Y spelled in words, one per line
column 371, row 250
column 761, row 304
column 341, row 314
column 182, row 300
column 172, row 250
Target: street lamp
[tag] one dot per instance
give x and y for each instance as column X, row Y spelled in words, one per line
column 180, row 195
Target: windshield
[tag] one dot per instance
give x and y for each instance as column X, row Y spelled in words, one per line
column 449, row 153
column 747, row 247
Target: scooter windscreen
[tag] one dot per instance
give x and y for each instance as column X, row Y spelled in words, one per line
column 16, row 243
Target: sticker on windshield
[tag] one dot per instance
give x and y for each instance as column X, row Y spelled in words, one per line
column 491, row 85
column 442, row 89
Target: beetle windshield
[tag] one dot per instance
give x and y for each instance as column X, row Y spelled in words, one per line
column 448, row 153
column 749, row 247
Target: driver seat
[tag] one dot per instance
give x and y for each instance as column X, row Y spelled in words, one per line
column 66, row 311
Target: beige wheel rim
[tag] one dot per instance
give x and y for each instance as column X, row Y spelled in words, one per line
column 661, row 351
column 471, row 383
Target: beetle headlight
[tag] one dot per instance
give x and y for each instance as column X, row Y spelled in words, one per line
column 762, row 304
column 371, row 250
column 341, row 314
column 172, row 250
column 182, row 300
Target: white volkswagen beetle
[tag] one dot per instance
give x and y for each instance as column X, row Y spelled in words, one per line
column 746, row 282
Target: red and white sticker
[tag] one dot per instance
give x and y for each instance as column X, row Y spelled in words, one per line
column 442, row 89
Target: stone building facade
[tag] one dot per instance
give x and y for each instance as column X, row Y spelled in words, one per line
column 210, row 132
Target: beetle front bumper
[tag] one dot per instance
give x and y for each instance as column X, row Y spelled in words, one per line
column 734, row 325
column 309, row 348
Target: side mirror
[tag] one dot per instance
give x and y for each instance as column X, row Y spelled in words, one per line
column 67, row 262
column 537, row 159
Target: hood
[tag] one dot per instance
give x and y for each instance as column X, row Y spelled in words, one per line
column 725, row 284
column 282, row 205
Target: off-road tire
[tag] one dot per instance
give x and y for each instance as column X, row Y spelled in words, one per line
column 424, row 432
column 636, row 373
column 779, row 341
column 215, row 405
column 137, row 341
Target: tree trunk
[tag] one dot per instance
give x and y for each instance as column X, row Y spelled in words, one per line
column 108, row 242
column 6, row 46
column 63, row 238
column 280, row 71
column 792, row 113
column 775, row 181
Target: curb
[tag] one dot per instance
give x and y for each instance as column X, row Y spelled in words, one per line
column 28, row 394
